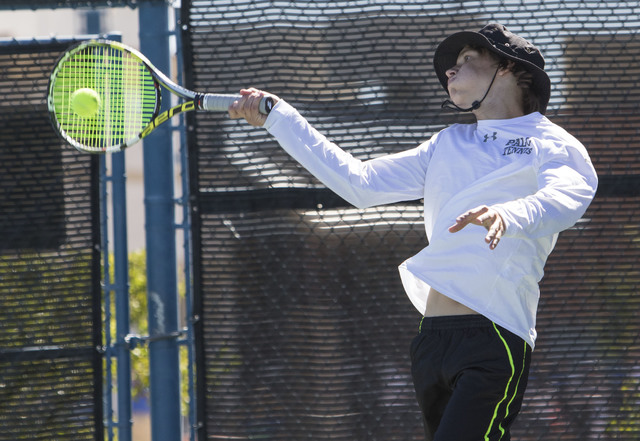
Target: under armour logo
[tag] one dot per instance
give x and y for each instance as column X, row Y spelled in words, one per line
column 487, row 136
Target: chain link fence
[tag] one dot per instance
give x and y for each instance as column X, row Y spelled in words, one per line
column 50, row 321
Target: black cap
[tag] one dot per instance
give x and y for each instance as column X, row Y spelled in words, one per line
column 499, row 40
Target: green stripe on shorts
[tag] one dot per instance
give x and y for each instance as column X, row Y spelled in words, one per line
column 506, row 391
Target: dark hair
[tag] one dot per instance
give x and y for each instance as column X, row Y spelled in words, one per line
column 531, row 102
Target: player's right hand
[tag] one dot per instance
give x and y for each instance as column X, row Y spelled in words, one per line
column 248, row 106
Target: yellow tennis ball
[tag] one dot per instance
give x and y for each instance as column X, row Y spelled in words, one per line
column 85, row 102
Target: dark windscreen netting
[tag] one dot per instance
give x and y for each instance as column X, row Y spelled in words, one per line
column 50, row 363
column 305, row 335
column 305, row 325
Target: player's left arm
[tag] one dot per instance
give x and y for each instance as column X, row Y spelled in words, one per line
column 567, row 183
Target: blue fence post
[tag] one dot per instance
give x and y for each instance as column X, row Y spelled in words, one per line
column 121, row 264
column 120, row 291
column 120, row 286
column 162, row 288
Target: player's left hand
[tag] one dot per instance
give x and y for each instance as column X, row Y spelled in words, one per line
column 485, row 216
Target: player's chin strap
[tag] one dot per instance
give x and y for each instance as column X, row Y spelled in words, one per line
column 448, row 104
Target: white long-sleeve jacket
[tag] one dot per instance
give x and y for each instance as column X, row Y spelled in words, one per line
column 535, row 174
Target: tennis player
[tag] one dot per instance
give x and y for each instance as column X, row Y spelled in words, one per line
column 496, row 194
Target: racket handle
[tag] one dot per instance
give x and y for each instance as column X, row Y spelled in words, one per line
column 215, row 102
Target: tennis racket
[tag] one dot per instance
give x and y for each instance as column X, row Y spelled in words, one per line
column 123, row 90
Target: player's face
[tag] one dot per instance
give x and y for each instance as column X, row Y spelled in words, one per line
column 471, row 76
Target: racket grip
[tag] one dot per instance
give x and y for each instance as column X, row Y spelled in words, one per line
column 215, row 102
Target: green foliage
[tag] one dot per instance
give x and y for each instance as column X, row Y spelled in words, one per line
column 45, row 304
column 628, row 416
column 39, row 291
column 138, row 314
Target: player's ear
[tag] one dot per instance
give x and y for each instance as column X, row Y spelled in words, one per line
column 505, row 66
column 525, row 79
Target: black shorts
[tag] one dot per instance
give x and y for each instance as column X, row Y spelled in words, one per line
column 469, row 375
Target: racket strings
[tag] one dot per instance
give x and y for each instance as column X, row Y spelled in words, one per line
column 128, row 96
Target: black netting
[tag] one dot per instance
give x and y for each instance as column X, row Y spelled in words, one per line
column 304, row 323
column 50, row 364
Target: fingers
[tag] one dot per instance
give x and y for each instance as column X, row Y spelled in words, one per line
column 495, row 234
column 485, row 216
column 237, row 110
column 472, row 216
column 248, row 107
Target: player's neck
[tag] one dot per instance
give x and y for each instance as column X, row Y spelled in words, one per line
column 504, row 101
column 494, row 110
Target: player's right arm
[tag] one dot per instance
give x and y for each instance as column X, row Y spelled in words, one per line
column 383, row 180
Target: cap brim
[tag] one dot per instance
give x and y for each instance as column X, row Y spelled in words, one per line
column 446, row 56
